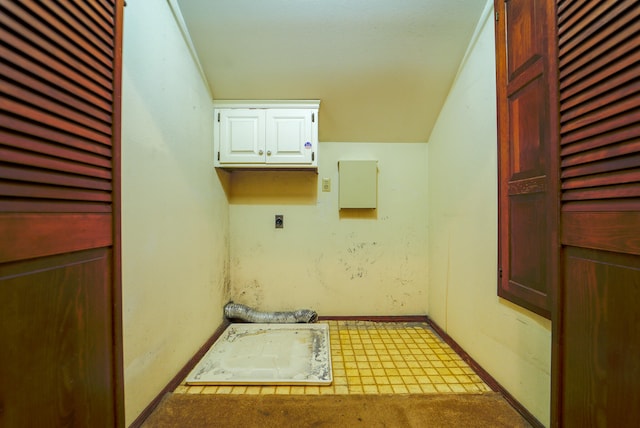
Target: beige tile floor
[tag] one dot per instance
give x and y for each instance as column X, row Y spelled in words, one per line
column 378, row 358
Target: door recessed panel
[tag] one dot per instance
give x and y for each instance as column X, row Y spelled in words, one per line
column 242, row 136
column 289, row 136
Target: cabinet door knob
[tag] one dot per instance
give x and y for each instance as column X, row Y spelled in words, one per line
column 268, row 152
column 260, row 152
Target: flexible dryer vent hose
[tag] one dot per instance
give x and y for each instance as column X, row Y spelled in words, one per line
column 247, row 314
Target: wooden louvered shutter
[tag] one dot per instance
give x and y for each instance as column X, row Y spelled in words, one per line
column 597, row 333
column 527, row 156
column 60, row 359
column 600, row 110
column 57, row 98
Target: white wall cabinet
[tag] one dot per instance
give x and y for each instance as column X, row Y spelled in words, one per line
column 274, row 134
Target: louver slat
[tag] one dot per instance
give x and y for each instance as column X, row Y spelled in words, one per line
column 37, row 20
column 56, row 107
column 599, row 65
column 85, row 32
column 36, row 40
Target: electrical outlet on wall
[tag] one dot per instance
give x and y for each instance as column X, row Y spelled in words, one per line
column 326, row 184
column 279, row 221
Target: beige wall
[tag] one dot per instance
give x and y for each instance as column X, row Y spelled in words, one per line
column 361, row 264
column 175, row 213
column 512, row 344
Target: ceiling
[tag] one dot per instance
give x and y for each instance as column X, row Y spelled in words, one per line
column 381, row 68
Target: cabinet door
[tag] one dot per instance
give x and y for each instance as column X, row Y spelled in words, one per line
column 241, row 136
column 289, row 136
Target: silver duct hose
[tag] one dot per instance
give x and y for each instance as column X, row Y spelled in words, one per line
column 247, row 314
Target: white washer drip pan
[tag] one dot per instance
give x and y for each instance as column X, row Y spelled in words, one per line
column 267, row 354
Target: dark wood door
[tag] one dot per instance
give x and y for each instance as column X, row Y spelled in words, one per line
column 60, row 328
column 527, row 156
column 578, row 62
column 596, row 354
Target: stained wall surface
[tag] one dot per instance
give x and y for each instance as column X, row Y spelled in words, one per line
column 174, row 210
column 338, row 262
column 512, row 344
